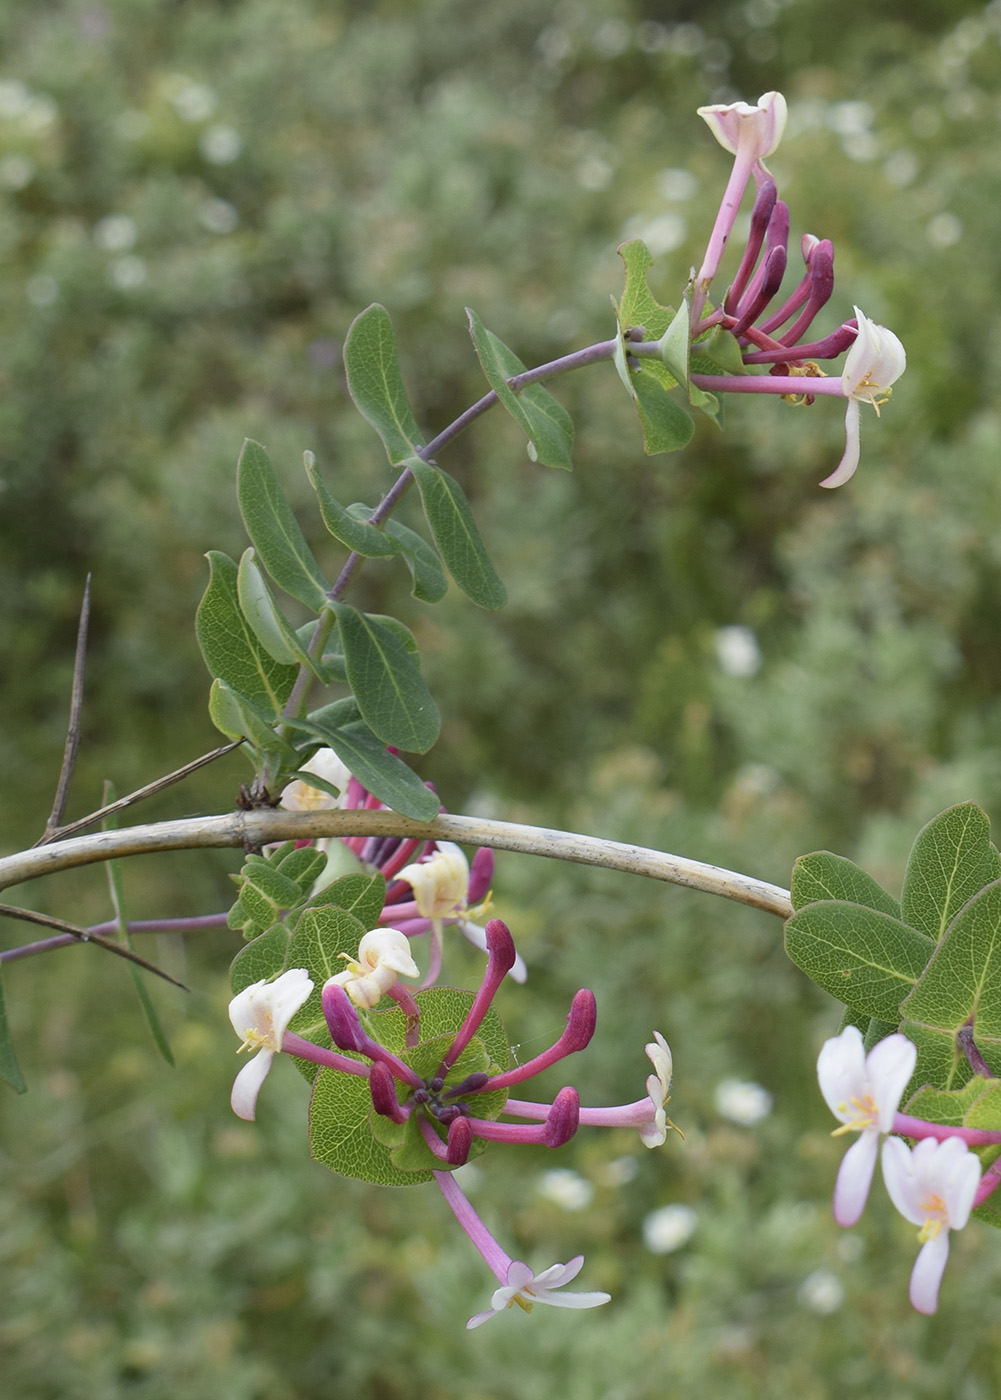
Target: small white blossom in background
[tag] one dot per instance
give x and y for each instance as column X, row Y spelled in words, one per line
column 669, row 1228
column 16, row 171
column 193, row 102
column 220, row 145
column 218, row 215
column 127, row 273
column 115, row 233
column 566, row 1189
column 822, row 1292
column 737, row 651
column 618, row 1172
column 742, row 1102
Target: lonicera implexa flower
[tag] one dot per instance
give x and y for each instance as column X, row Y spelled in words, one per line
column 260, row 1015
column 383, row 956
column 863, row 1092
column 875, row 362
column 932, row 1185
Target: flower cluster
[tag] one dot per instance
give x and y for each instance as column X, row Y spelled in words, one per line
column 777, row 336
column 935, row 1184
column 454, row 1107
column 429, row 884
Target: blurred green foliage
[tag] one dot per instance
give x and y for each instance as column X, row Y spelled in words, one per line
column 197, row 199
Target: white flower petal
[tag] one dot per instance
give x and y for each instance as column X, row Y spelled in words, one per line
column 247, row 1085
column 926, row 1276
column 851, row 1190
column 758, row 129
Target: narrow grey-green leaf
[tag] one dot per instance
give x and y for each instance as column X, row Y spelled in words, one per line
column 235, row 716
column 544, row 420
column 229, row 646
column 951, row 860
column 866, row 959
column 10, row 1070
column 387, row 777
column 266, row 619
column 823, row 875
column 389, row 689
column 430, row 583
column 376, row 384
column 116, row 886
column 358, row 535
column 274, row 530
column 456, row 535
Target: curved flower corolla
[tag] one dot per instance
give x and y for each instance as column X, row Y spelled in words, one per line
column 647, row 1115
column 875, row 362
column 525, row 1288
column 933, row 1186
column 863, row 1092
column 443, row 886
column 383, row 956
column 301, row 796
column 260, row 1015
column 752, row 131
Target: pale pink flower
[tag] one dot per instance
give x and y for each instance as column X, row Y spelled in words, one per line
column 932, row 1185
column 525, row 1288
column 863, row 1091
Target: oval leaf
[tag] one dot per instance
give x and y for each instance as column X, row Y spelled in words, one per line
column 376, row 385
column 951, row 860
column 866, row 959
column 456, row 535
column 274, row 530
column 388, row 687
column 229, row 646
column 358, row 535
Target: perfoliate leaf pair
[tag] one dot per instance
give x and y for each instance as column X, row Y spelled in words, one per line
column 930, row 965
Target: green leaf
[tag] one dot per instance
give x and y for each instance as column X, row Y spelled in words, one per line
column 274, row 530
column 430, row 583
column 951, row 860
column 962, row 982
column 234, row 715
column 376, row 384
column 10, row 1070
column 342, row 1133
column 717, row 352
column 667, row 427
column 866, row 959
column 545, row 422
column 457, row 537
column 675, row 349
column 230, row 648
column 362, row 896
column 260, row 959
column 357, row 534
column 387, row 777
column 116, row 886
column 389, row 689
column 639, row 307
column 822, row 875
column 266, row 619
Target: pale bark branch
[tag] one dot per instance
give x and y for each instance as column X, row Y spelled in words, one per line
column 258, row 828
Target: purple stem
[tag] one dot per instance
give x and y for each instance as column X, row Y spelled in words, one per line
column 730, row 203
column 62, row 940
column 500, row 960
column 293, row 1044
column 910, row 1127
column 580, row 1028
column 495, row 1258
column 768, row 384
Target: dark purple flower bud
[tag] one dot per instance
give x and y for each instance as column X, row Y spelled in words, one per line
column 472, row 1084
column 449, row 1112
column 342, row 1019
column 500, row 946
column 383, row 1087
column 764, row 203
column 772, row 271
column 460, row 1140
column 821, row 287
column 581, row 1022
column 564, row 1116
column 481, row 872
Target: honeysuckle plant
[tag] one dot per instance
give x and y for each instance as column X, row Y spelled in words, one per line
column 350, row 858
